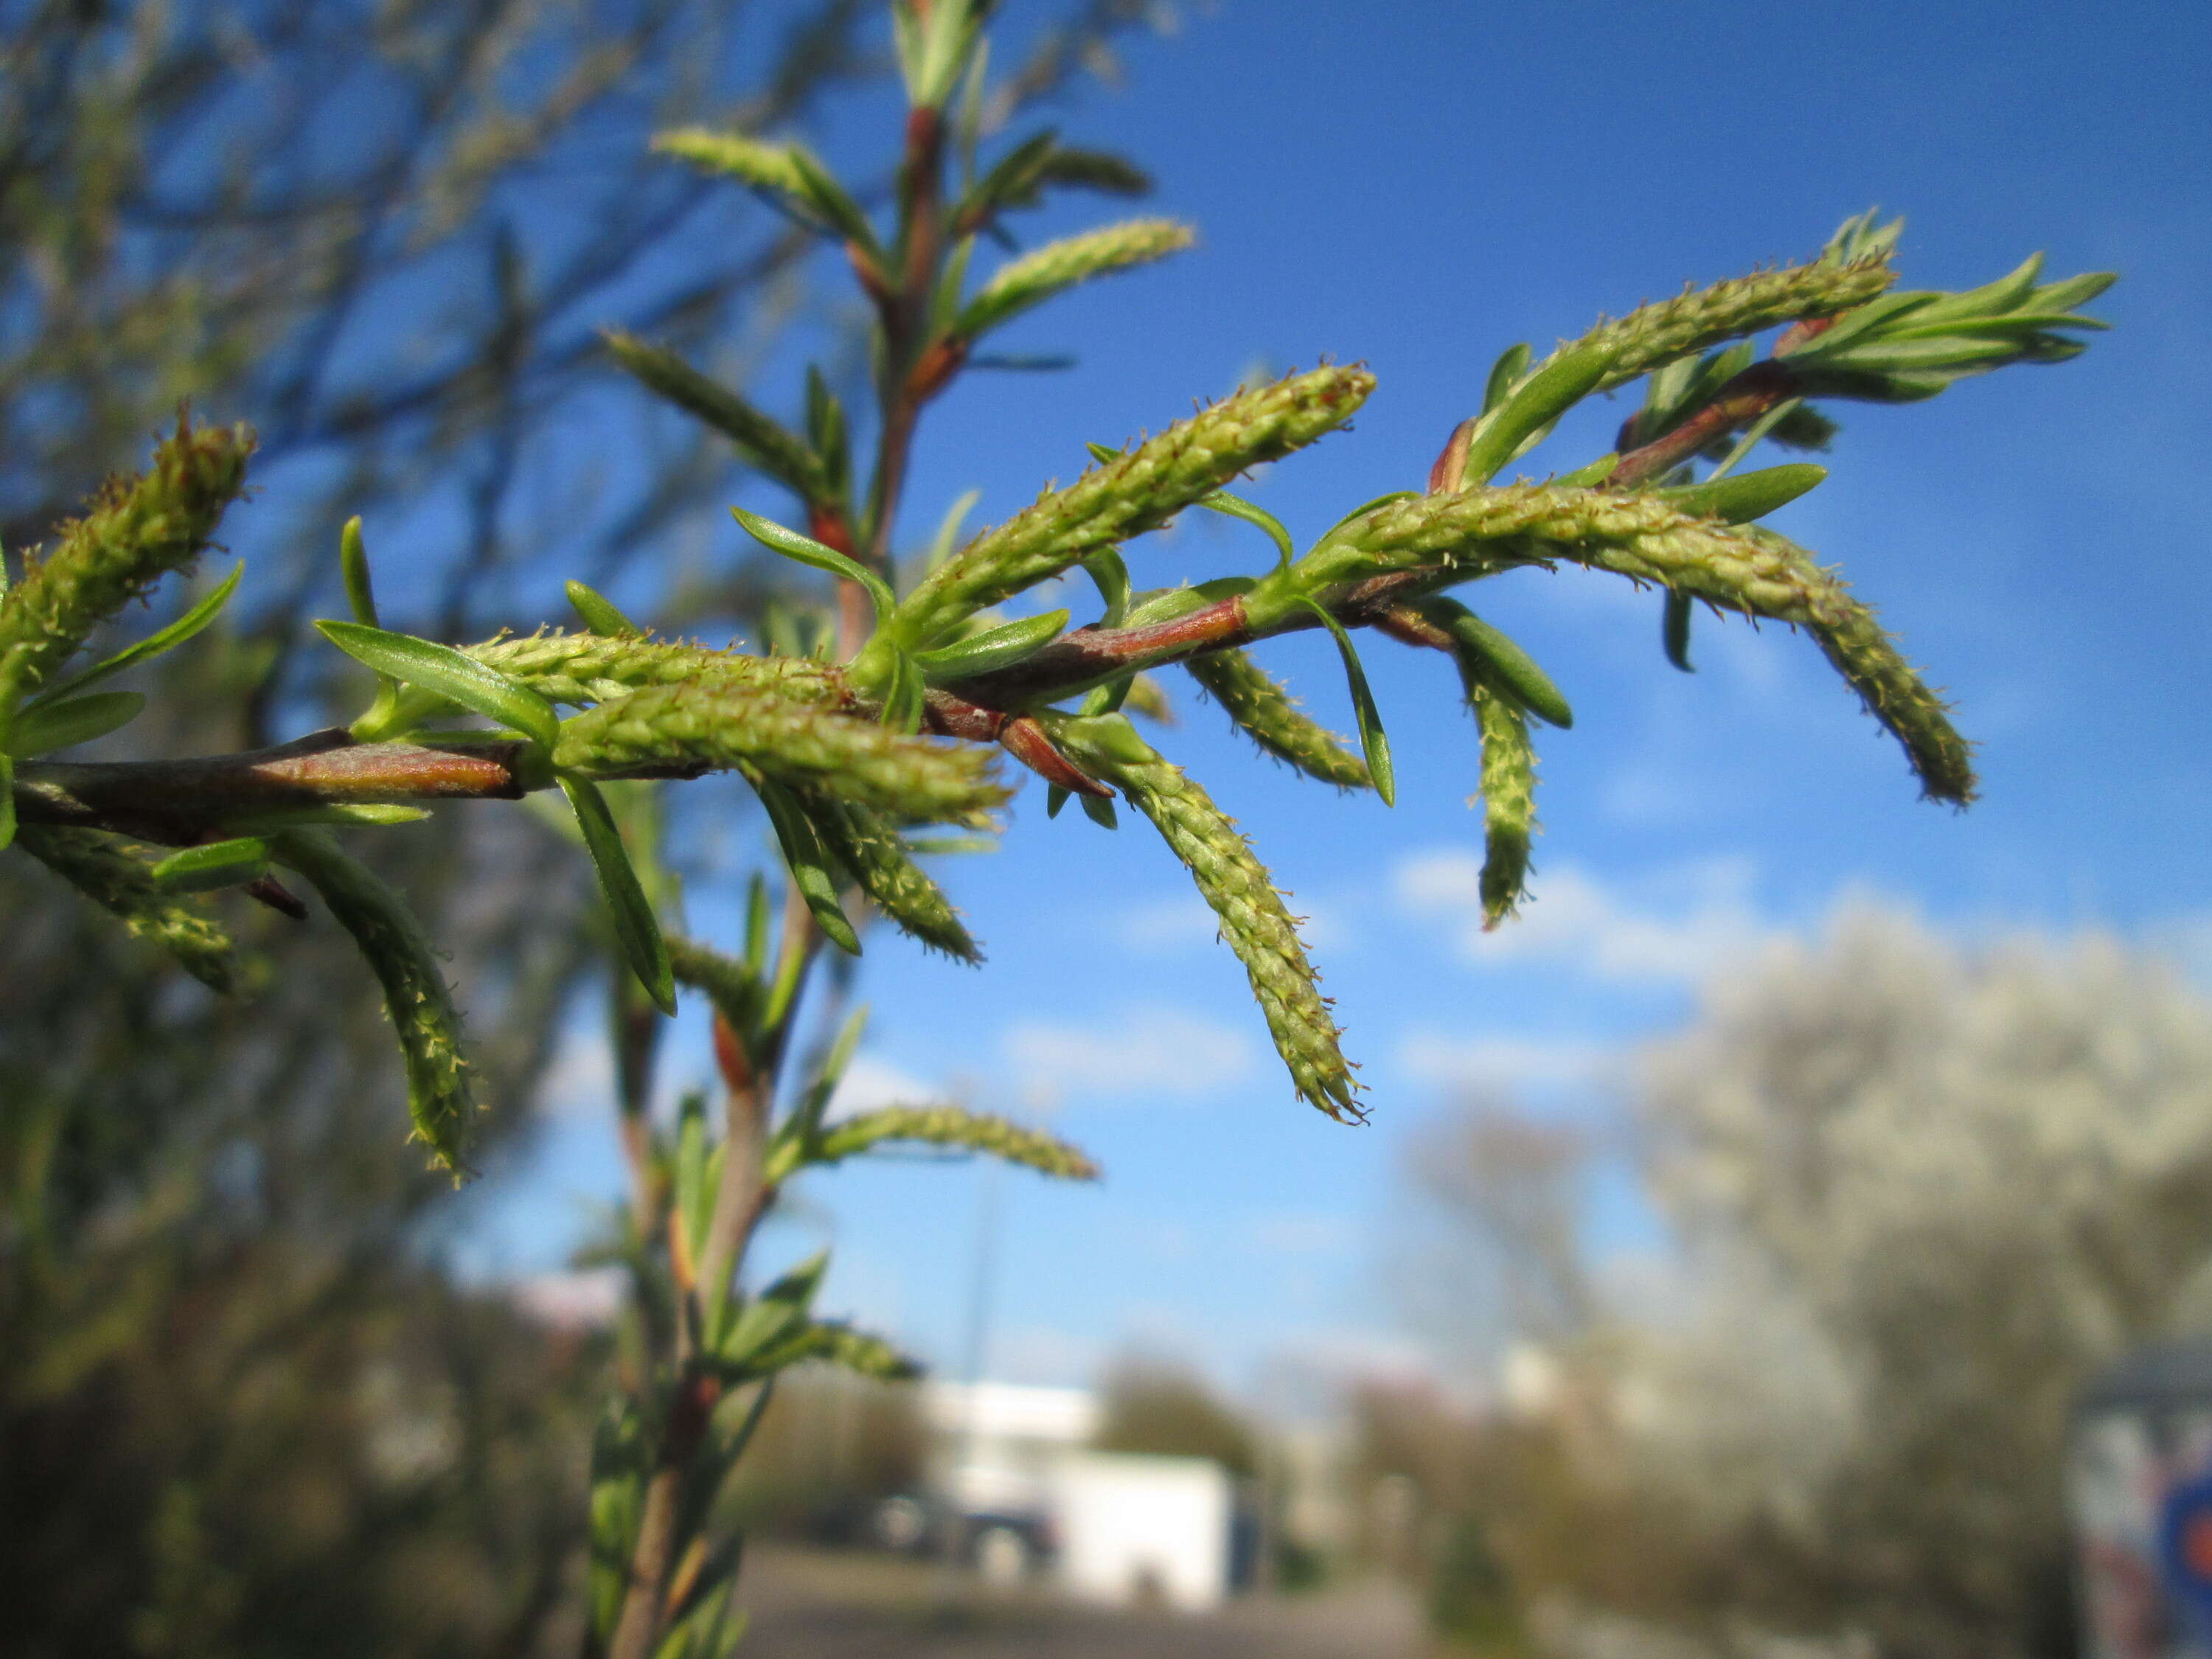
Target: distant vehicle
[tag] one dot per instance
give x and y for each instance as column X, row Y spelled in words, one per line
column 1002, row 1546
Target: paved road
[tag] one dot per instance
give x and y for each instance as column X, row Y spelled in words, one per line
column 818, row 1604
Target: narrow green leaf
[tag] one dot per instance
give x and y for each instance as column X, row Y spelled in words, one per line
column 1590, row 474
column 353, row 570
column 829, row 199
column 756, row 920
column 778, row 1312
column 1489, row 657
column 152, row 645
column 1236, row 507
column 441, row 669
column 1756, row 433
column 1372, row 742
column 44, row 726
column 335, row 814
column 1748, row 495
column 777, row 539
column 1532, row 408
column 601, row 614
column 1100, row 811
column 906, row 696
column 993, row 648
column 1110, row 574
column 1512, row 363
column 809, row 863
column 202, row 869
column 1675, row 630
column 636, row 926
column 1055, row 798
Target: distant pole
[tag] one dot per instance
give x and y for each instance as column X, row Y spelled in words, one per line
column 982, row 1280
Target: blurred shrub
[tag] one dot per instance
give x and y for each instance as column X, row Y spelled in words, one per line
column 1158, row 1406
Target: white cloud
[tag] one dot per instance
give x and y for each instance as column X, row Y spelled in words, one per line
column 1497, row 1062
column 1145, row 1052
column 1044, row 1356
column 1674, row 927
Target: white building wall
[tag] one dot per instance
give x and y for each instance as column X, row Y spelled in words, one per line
column 1132, row 1527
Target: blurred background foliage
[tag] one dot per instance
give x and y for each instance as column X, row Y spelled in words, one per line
column 243, row 1406
column 1918, row 1195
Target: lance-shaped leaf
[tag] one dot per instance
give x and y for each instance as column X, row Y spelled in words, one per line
column 1913, row 345
column 788, row 174
column 1265, row 712
column 1508, row 371
column 1509, row 802
column 415, row 996
column 636, row 928
column 1373, row 745
column 759, row 438
column 700, row 724
column 1531, row 409
column 779, row 539
column 105, row 873
column 582, row 669
column 43, row 727
column 1236, row 507
column 475, row 685
column 217, row 864
column 1136, row 491
column 872, row 855
column 601, row 615
column 1058, row 267
column 135, row 531
column 1675, row 630
column 152, row 645
column 832, row 1342
column 1236, row 885
column 1489, row 657
column 953, row 1127
column 994, row 647
column 778, row 1313
column 808, row 861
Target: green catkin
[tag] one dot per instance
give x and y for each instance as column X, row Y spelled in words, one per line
column 1742, row 567
column 952, row 1126
column 759, row 438
column 1132, row 494
column 1508, row 803
column 136, row 531
column 752, row 162
column 583, row 669
column 870, row 850
column 1653, row 335
column 415, row 995
column 709, row 723
column 1266, row 712
column 107, row 872
column 1256, row 924
column 1058, row 267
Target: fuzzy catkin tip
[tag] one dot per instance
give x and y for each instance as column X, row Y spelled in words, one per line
column 1653, row 335
column 105, row 872
column 1260, row 707
column 1256, row 925
column 1134, row 493
column 136, row 531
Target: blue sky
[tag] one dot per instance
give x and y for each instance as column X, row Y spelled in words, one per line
column 1417, row 185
